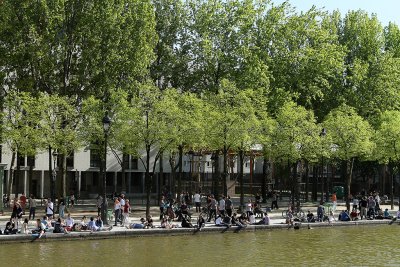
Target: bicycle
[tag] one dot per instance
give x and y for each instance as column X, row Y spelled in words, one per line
column 297, row 213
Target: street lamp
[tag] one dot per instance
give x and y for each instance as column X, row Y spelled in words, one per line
column 54, row 176
column 106, row 128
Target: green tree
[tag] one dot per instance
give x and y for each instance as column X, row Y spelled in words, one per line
column 387, row 138
column 352, row 138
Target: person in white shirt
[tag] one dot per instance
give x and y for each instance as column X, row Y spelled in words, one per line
column 221, row 206
column 50, row 209
column 69, row 222
column 197, row 201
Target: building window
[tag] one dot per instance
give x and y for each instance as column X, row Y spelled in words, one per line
column 70, row 161
column 21, row 160
column 95, row 160
column 134, row 163
column 31, row 161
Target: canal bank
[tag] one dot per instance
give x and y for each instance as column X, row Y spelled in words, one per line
column 88, row 210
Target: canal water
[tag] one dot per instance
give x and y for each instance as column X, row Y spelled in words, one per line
column 333, row 246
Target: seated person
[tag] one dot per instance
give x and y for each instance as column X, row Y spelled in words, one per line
column 344, row 216
column 237, row 222
column 252, row 218
column 310, row 217
column 289, row 218
column 354, row 215
column 186, row 223
column 99, row 222
column 83, row 223
column 149, row 222
column 398, row 214
column 386, row 214
column 220, row 221
column 40, row 229
column 140, row 225
column 10, row 228
column 379, row 216
column 69, row 223
column 59, row 227
column 265, row 220
column 243, row 219
column 46, row 222
column 201, row 222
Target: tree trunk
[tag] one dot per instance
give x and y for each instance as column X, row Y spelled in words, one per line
column 123, row 173
column 265, row 180
column 349, row 170
column 11, row 175
column 225, row 174
column 216, row 175
column 180, row 175
column 160, row 176
column 64, row 176
column 148, row 182
column 17, row 176
column 241, row 159
column 307, row 180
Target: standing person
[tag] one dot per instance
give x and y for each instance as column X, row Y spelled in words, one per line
column 334, row 201
column 221, row 206
column 50, row 208
column 117, row 210
column 213, row 208
column 274, row 203
column 99, row 204
column 125, row 213
column 32, row 207
column 363, row 208
column 61, row 209
column 72, row 199
column 228, row 206
column 197, row 201
column 320, row 212
column 162, row 205
column 22, row 200
column 249, row 208
column 355, row 203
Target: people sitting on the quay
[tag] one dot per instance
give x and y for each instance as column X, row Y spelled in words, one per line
column 354, row 215
column 82, row 225
column 59, row 227
column 40, row 229
column 386, row 214
column 92, row 225
column 320, row 212
column 201, row 222
column 249, row 208
column 69, row 222
column 344, row 216
column 183, row 211
column 10, row 228
column 165, row 223
column 236, row 221
column 221, row 221
column 47, row 223
column 252, row 218
column 24, row 227
column 265, row 220
column 186, row 222
column 243, row 219
column 140, row 225
column 398, row 214
column 310, row 216
column 149, row 222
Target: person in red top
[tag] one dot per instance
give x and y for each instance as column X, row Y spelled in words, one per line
column 126, row 209
column 334, row 201
column 22, row 200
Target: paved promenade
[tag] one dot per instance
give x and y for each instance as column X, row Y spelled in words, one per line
column 88, row 209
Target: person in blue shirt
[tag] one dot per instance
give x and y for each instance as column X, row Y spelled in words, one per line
column 344, row 216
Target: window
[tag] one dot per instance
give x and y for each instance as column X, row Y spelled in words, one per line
column 70, row 160
column 21, row 160
column 31, row 161
column 95, row 160
column 134, row 163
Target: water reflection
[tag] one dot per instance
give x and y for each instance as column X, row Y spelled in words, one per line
column 339, row 246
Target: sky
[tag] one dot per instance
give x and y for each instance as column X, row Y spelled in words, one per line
column 386, row 10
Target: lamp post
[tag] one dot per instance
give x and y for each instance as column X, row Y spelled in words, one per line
column 54, row 176
column 106, row 128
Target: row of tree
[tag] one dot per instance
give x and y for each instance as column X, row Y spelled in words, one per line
column 216, row 75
